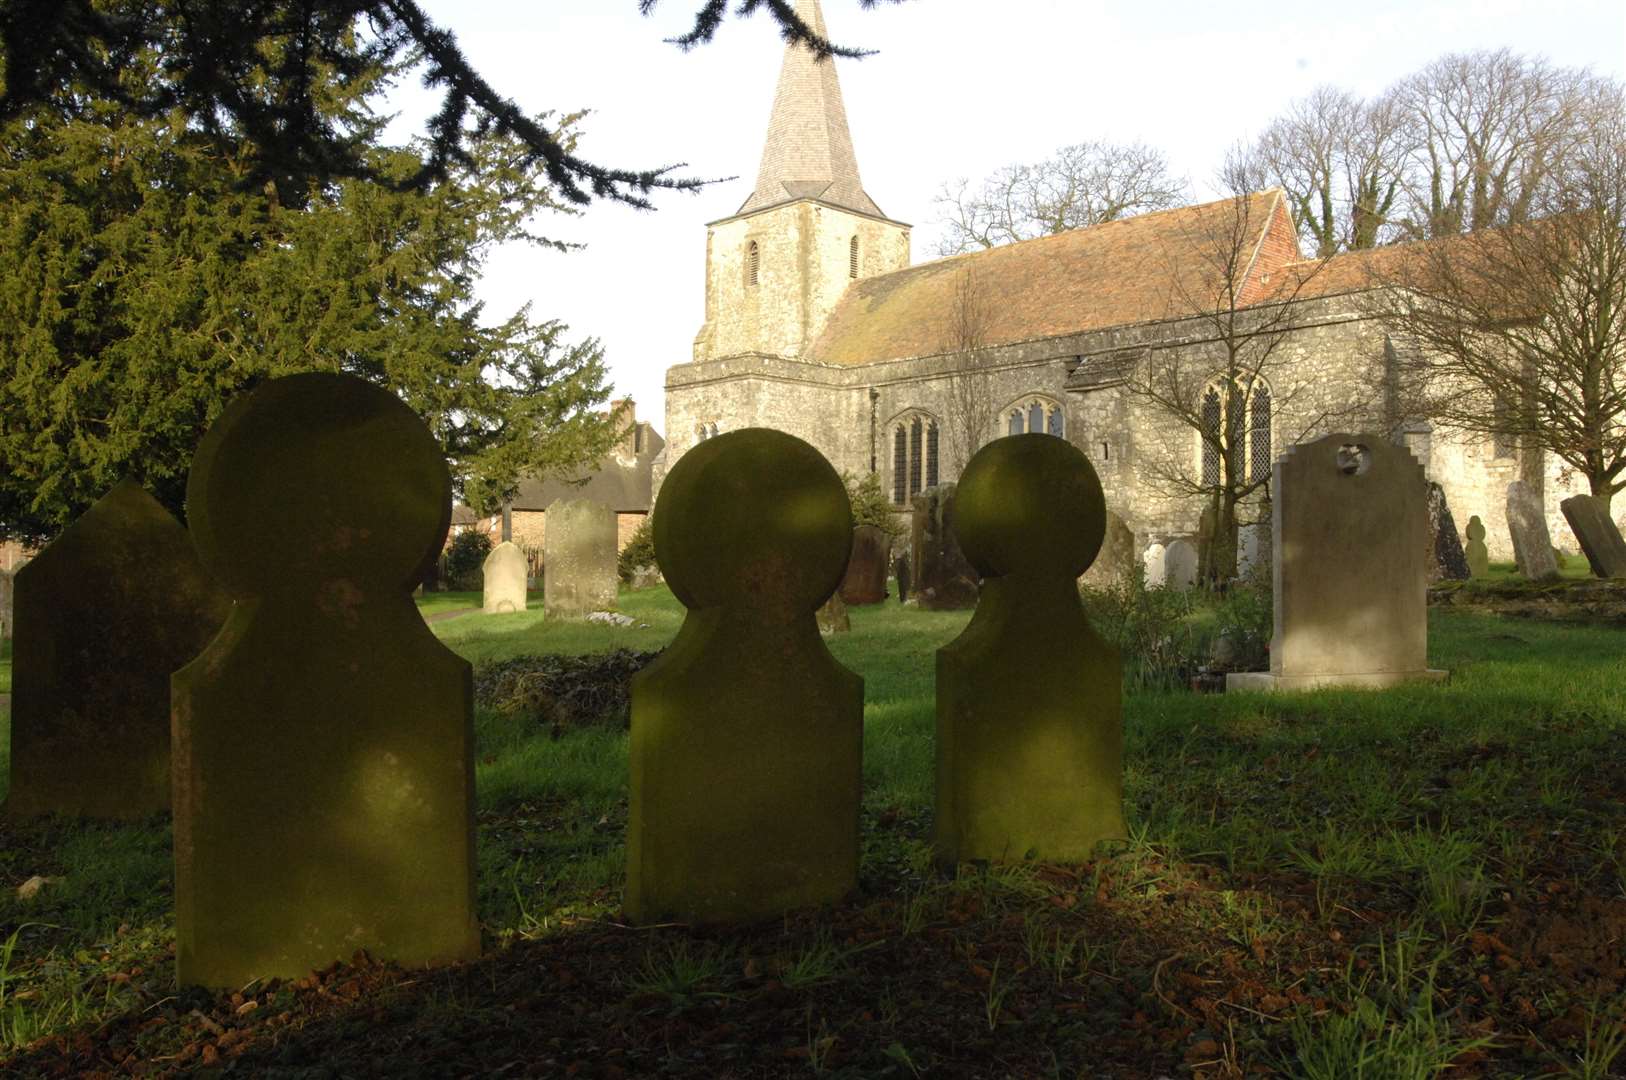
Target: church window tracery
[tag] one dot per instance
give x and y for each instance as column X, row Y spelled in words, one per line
column 1036, row 415
column 852, row 258
column 752, row 260
column 915, row 455
column 1242, row 409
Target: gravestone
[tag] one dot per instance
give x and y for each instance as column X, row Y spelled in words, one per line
column 503, row 574
column 1597, row 534
column 1446, row 560
column 1527, row 527
column 865, row 582
column 104, row 614
column 900, row 570
column 747, row 734
column 1155, row 565
column 1350, row 568
column 1116, row 561
column 1180, row 564
column 645, row 577
column 833, row 617
column 579, row 553
column 1476, row 554
column 324, row 741
column 943, row 579
column 1029, row 698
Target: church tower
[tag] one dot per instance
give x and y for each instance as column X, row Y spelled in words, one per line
column 776, row 268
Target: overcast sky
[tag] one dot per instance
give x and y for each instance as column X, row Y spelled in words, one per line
column 956, row 88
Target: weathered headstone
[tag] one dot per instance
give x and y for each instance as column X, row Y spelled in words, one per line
column 943, row 579
column 1116, row 560
column 1350, row 572
column 1154, row 564
column 645, row 577
column 578, row 549
column 900, row 570
column 747, row 734
column 324, row 741
column 1180, row 564
column 1597, row 534
column 104, row 614
column 1446, row 560
column 865, row 582
column 833, row 617
column 503, row 574
column 1527, row 527
column 1476, row 554
column 1029, row 697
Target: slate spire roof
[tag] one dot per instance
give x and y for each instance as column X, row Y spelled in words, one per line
column 809, row 151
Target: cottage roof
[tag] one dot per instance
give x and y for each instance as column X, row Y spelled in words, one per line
column 621, row 481
column 1156, row 266
column 809, row 150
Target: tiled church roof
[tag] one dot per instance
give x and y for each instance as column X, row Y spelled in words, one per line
column 1141, row 269
column 809, row 151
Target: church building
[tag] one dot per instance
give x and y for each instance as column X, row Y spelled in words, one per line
column 818, row 324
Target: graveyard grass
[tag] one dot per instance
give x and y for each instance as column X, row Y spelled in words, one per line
column 1334, row 884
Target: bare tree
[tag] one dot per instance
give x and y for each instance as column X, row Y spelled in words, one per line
column 1489, row 135
column 1083, row 184
column 972, row 407
column 1519, row 333
column 1216, row 386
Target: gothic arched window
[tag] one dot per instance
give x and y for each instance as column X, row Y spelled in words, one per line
column 1035, row 415
column 752, row 261
column 1241, row 409
column 852, row 258
column 915, row 455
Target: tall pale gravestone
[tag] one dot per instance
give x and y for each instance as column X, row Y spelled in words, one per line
column 1154, row 561
column 324, row 741
column 747, row 734
column 1475, row 552
column 1116, row 561
column 1029, row 697
column 865, row 582
column 579, row 559
column 1527, row 527
column 104, row 614
column 1446, row 561
column 1350, row 568
column 943, row 579
column 503, row 575
column 1597, row 534
column 1180, row 564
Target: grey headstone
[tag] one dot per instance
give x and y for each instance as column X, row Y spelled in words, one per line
column 900, row 569
column 504, row 574
column 1527, row 526
column 1350, row 574
column 645, row 577
column 1599, row 537
column 1116, row 562
column 1447, row 562
column 1180, row 564
column 579, row 554
column 1475, row 552
column 865, row 582
column 944, row 579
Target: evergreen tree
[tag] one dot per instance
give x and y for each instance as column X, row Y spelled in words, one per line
column 143, row 284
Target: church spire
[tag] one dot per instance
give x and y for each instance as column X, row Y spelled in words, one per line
column 809, row 152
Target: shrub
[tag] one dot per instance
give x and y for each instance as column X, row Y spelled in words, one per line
column 640, row 550
column 870, row 504
column 1150, row 628
column 465, row 557
column 1245, row 616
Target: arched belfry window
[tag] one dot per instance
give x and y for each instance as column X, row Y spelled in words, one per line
column 1036, row 415
column 753, row 259
column 852, row 258
column 1242, row 409
column 914, row 455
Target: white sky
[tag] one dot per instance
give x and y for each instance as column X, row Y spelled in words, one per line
column 957, row 88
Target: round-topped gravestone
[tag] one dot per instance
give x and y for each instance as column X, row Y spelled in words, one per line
column 1029, row 697
column 324, row 778
column 747, row 735
column 1477, row 554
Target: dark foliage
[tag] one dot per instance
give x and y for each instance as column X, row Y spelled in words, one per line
column 563, row 692
column 640, row 550
column 468, row 551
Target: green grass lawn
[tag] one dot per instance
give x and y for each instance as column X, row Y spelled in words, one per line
column 1423, row 877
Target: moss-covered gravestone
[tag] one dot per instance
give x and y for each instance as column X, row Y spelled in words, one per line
column 324, row 769
column 579, row 552
column 1477, row 554
column 104, row 614
column 1029, row 698
column 747, row 735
